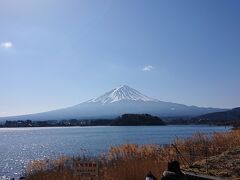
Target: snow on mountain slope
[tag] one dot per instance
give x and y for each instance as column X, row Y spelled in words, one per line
column 120, row 100
column 122, row 93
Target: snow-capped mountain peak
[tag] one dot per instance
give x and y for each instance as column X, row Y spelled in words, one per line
column 120, row 100
column 122, row 93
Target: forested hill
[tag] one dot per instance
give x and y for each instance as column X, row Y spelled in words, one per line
column 137, row 120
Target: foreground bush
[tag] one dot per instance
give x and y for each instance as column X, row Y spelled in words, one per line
column 132, row 162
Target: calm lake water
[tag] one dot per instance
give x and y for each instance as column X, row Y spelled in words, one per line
column 20, row 145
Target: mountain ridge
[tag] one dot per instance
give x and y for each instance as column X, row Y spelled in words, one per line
column 118, row 101
column 229, row 115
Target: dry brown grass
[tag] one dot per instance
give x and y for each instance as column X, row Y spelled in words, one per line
column 226, row 165
column 201, row 146
column 132, row 162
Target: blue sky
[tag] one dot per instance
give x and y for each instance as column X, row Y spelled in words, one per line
column 59, row 53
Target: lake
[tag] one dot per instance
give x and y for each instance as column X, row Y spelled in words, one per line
column 20, row 145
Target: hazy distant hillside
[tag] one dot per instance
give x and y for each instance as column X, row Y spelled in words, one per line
column 230, row 115
column 121, row 100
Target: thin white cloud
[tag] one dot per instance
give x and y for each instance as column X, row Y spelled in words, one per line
column 148, row 68
column 6, row 45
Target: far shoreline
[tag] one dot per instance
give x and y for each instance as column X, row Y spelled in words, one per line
column 123, row 120
column 177, row 125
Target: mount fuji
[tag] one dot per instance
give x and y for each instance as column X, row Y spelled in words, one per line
column 120, row 100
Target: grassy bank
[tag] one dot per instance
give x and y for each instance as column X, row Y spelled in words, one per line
column 132, row 162
column 226, row 164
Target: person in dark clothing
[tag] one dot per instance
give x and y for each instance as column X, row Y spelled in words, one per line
column 150, row 176
column 173, row 172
